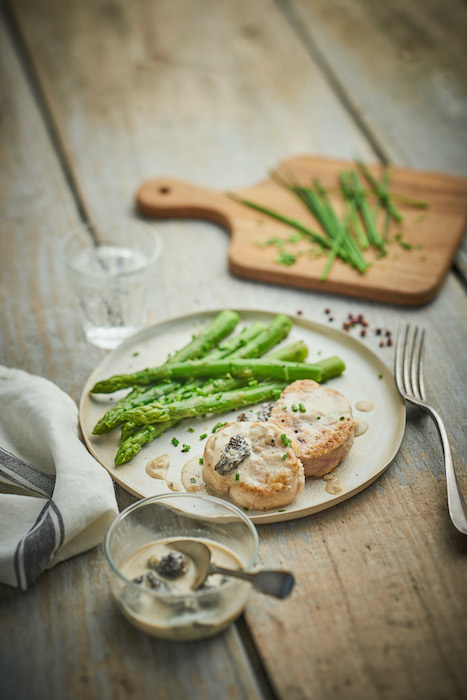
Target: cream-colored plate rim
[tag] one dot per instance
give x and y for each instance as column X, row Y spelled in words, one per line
column 366, row 378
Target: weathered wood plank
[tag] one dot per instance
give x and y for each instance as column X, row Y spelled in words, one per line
column 64, row 637
column 218, row 96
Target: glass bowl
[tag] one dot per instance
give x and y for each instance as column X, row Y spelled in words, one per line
column 167, row 611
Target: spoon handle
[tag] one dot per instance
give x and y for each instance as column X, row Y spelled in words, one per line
column 276, row 583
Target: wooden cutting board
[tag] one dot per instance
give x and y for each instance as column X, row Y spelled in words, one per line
column 406, row 277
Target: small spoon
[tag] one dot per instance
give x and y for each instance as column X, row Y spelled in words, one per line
column 275, row 583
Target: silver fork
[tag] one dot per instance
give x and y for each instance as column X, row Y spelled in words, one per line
column 408, row 371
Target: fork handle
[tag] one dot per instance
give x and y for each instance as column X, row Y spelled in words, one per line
column 456, row 504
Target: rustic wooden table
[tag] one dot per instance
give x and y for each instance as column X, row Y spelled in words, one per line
column 99, row 95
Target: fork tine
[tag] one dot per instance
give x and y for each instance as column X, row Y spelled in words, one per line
column 416, row 364
column 407, row 367
column 413, row 369
column 399, row 357
column 420, row 386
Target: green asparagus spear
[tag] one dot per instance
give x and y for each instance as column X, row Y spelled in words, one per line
column 113, row 416
column 331, row 367
column 220, row 327
column 134, row 441
column 141, row 395
column 199, row 405
column 294, row 352
column 277, row 330
column 144, row 434
column 236, row 344
column 283, row 371
column 248, row 368
column 252, row 341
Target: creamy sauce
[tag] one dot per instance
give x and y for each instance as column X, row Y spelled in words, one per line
column 192, row 477
column 158, row 467
column 174, row 611
column 173, row 485
column 364, row 406
column 333, row 485
column 361, row 427
column 317, row 408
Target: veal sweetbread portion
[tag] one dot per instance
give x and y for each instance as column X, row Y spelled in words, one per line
column 254, row 463
column 321, row 422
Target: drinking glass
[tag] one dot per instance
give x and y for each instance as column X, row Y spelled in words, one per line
column 112, row 273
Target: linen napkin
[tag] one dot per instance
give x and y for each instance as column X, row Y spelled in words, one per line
column 56, row 500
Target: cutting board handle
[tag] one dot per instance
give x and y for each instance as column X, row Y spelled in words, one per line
column 165, row 197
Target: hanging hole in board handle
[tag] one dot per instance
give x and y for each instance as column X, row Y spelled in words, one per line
column 164, row 189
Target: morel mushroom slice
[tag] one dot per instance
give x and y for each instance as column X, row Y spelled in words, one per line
column 265, row 411
column 156, row 583
column 171, row 566
column 236, row 451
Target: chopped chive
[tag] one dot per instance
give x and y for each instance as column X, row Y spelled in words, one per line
column 285, row 440
column 175, row 442
column 284, row 457
column 294, row 408
column 191, row 430
column 237, row 477
column 296, row 237
column 186, row 448
column 204, row 435
column 217, row 426
column 201, row 460
column 285, row 258
column 193, row 480
column 302, row 408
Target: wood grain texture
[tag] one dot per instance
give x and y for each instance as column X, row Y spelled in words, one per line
column 400, row 68
column 400, row 277
column 64, row 638
column 216, row 96
column 41, row 327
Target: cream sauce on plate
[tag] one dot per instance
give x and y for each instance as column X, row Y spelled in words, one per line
column 158, row 468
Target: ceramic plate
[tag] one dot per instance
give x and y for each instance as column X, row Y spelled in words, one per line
column 366, row 379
